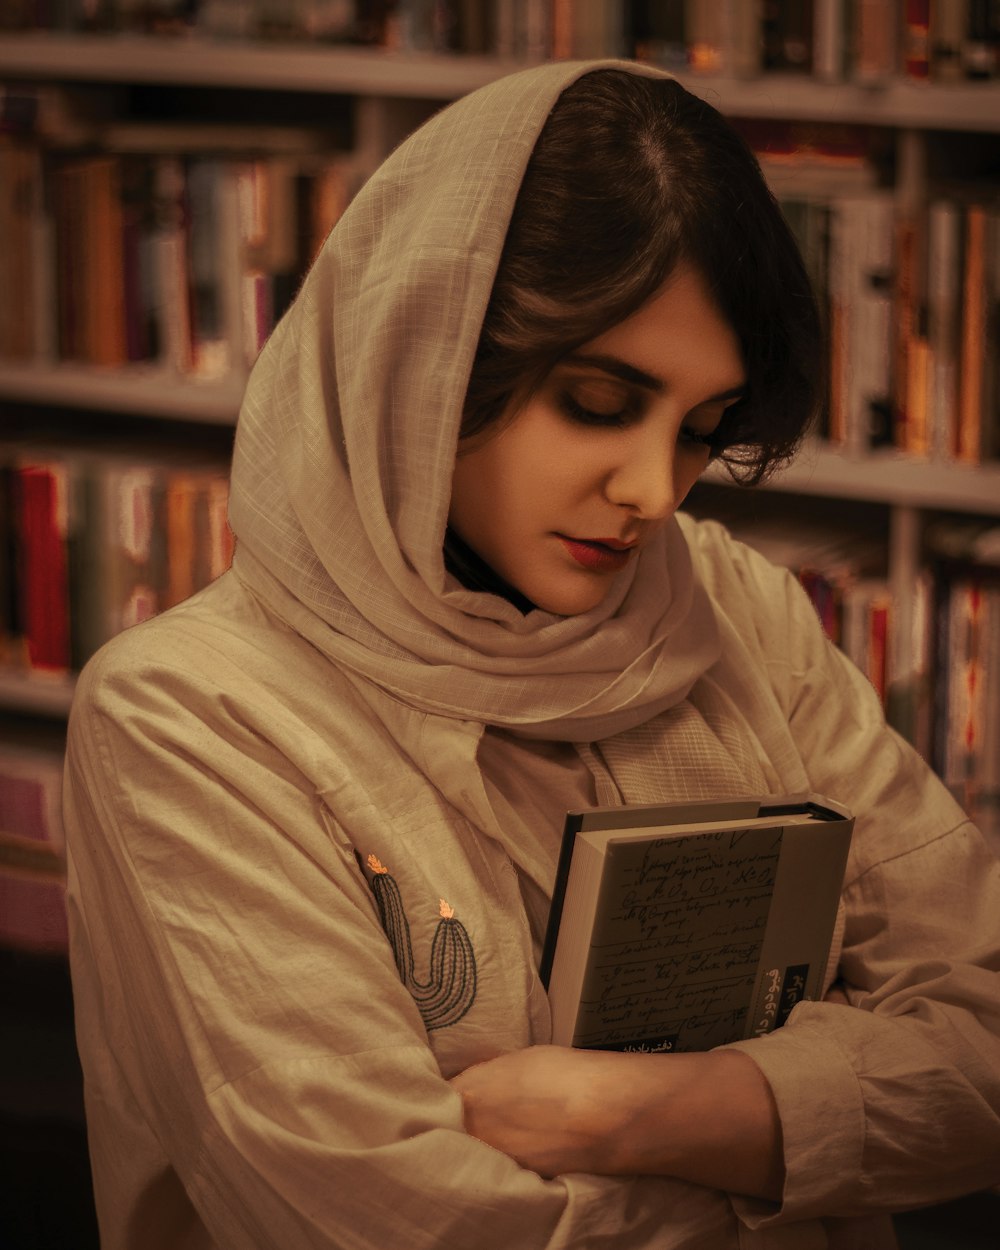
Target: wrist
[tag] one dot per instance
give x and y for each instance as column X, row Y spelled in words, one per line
column 706, row 1118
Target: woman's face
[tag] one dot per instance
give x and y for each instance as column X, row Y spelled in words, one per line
column 558, row 499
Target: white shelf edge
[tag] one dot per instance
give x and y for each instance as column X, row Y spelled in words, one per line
column 898, row 104
column 48, row 696
column 199, row 60
column 146, row 391
column 888, row 477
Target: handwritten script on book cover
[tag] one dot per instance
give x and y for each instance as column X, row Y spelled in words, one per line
column 686, row 922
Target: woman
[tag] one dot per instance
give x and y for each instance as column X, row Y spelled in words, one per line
column 313, row 812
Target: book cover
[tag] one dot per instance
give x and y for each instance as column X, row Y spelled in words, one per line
column 686, row 926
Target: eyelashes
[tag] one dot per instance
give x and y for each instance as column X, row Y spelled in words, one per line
column 615, row 418
column 716, row 441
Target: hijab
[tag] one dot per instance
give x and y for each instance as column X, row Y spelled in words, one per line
column 346, row 444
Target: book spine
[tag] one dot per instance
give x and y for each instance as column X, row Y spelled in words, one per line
column 943, row 304
column 169, row 254
column 973, row 336
column 874, row 42
column 916, row 60
column 830, row 39
column 987, row 808
column 42, row 570
column 947, row 34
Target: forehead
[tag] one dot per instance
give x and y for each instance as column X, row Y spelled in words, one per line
column 680, row 331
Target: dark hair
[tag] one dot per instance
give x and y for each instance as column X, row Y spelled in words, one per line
column 632, row 174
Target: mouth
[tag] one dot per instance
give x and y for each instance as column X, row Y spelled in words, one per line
column 603, row 555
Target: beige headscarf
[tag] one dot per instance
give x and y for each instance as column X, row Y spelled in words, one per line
column 347, row 438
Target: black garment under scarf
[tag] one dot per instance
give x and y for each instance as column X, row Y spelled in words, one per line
column 475, row 574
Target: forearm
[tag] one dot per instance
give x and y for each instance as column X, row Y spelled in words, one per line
column 705, row 1118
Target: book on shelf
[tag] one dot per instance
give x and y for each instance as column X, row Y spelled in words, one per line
column 943, row 304
column 909, row 296
column 860, row 318
column 875, row 38
column 785, row 35
column 978, row 407
column 178, row 259
column 32, row 848
column 915, row 52
column 678, row 927
column 966, row 745
column 885, row 629
column 97, row 541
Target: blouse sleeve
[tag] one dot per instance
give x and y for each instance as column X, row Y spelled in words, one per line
column 889, row 1100
column 248, row 1046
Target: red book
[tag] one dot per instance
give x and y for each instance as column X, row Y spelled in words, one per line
column 916, row 39
column 43, row 573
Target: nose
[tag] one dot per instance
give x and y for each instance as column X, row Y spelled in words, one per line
column 644, row 479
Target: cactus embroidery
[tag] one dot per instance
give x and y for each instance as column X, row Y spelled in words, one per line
column 450, row 988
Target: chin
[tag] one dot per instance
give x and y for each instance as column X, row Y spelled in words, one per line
column 568, row 603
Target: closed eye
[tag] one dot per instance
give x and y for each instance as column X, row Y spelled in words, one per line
column 720, row 437
column 712, row 440
column 596, row 408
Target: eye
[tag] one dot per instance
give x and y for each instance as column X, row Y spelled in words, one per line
column 720, row 436
column 598, row 403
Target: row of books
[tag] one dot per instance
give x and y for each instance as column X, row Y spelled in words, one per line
column 940, row 683
column 92, row 542
column 871, row 42
column 187, row 261
column 913, row 316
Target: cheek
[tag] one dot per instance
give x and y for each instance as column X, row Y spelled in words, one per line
column 567, row 467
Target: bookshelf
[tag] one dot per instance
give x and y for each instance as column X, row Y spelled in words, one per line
column 151, row 392
column 383, row 94
column 374, row 74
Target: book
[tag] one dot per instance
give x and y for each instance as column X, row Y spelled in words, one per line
column 94, row 541
column 861, row 317
column 679, row 927
column 973, row 338
column 944, row 298
column 41, row 518
column 32, row 845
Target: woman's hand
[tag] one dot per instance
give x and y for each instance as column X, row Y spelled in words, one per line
column 550, row 1108
column 708, row 1118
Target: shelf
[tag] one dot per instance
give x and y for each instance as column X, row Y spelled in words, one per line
column 273, row 66
column 40, row 695
column 147, row 391
column 959, row 106
column 371, row 72
column 889, row 477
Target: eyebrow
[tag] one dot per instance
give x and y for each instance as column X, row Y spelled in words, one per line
column 629, row 373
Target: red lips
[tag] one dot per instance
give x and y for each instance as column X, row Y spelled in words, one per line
column 603, row 555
